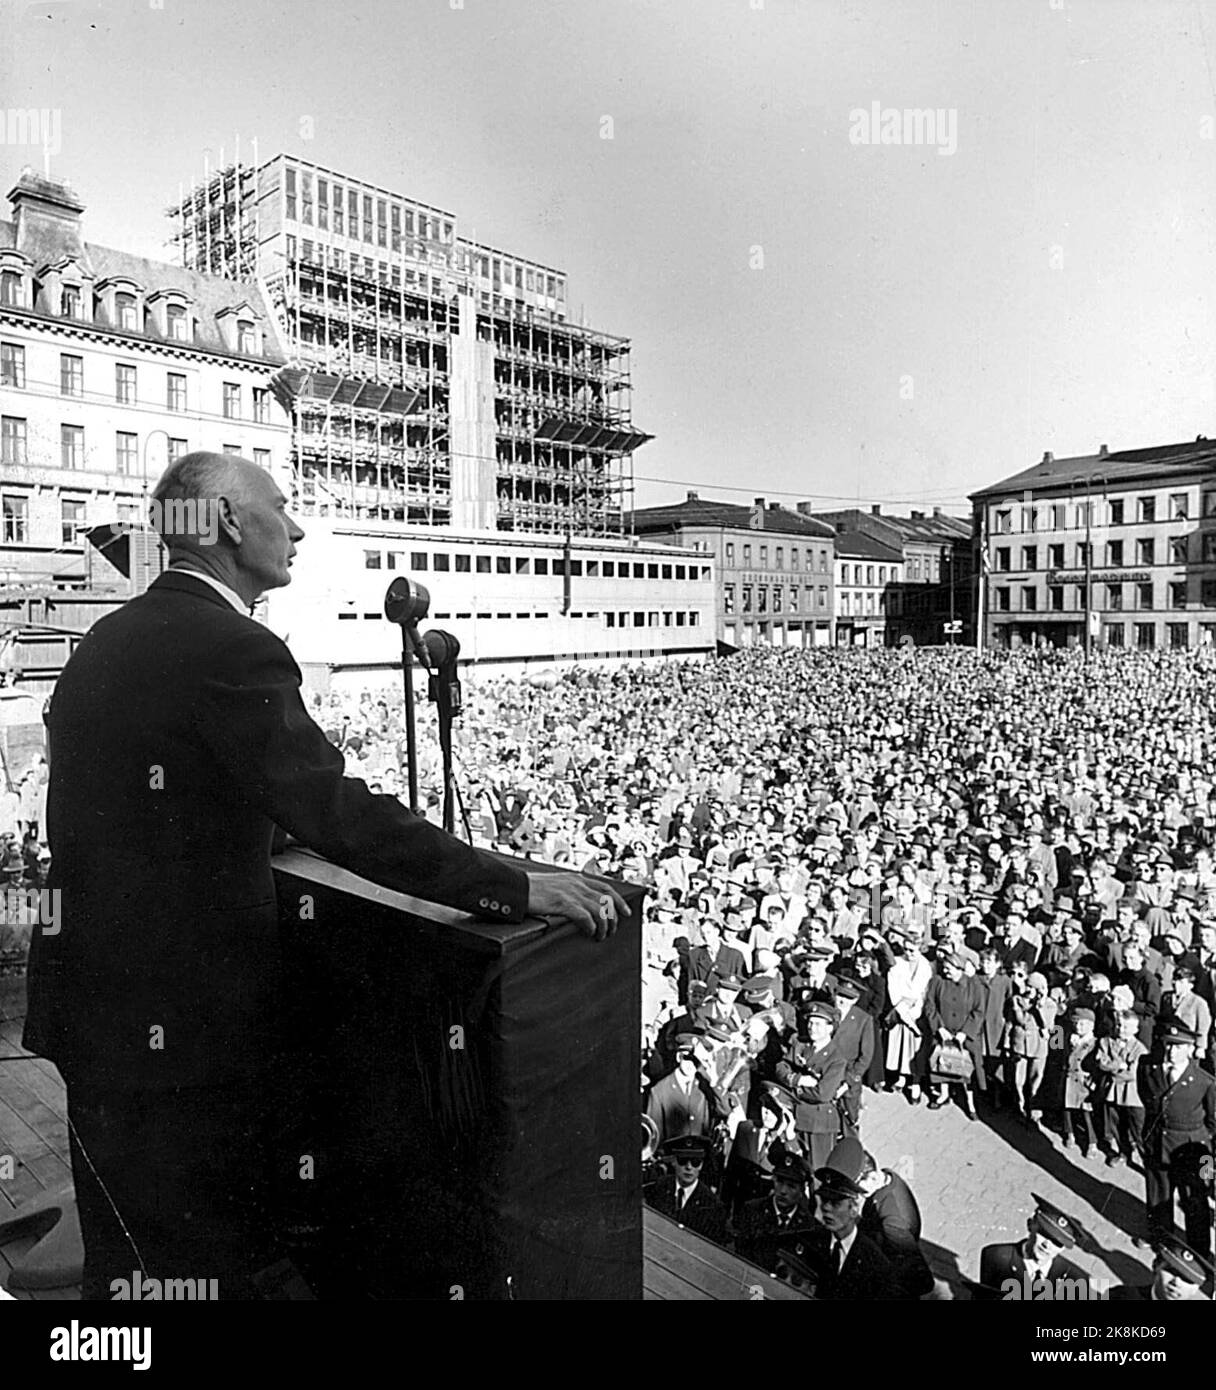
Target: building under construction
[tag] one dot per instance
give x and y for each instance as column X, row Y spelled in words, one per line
column 431, row 378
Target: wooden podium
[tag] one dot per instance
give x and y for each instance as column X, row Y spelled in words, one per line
column 471, row 1126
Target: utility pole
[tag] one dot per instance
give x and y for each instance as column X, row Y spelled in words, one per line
column 948, row 556
column 1089, row 565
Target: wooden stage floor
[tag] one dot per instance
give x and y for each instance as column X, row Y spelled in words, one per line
column 677, row 1264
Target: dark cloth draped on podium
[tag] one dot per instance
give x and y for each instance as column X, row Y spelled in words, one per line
column 471, row 1097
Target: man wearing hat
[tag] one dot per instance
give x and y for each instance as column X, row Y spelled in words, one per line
column 812, row 959
column 1179, row 1276
column 855, row 1039
column 1019, row 1270
column 714, row 959
column 848, row 1264
column 778, row 1217
column 684, row 1102
column 684, row 1195
column 721, row 1008
column 1179, row 1100
column 814, row 1071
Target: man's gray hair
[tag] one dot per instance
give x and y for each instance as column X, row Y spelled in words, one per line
column 184, row 505
column 200, row 474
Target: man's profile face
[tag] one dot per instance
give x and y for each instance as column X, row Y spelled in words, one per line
column 268, row 531
column 838, row 1214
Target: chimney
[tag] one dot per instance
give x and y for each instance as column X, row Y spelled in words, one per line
column 759, row 502
column 1103, row 452
column 693, row 497
column 937, row 511
column 46, row 218
column 1048, row 456
column 806, row 508
column 917, row 516
column 774, row 506
column 876, row 509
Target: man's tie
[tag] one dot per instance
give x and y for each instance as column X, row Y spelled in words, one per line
column 834, row 1259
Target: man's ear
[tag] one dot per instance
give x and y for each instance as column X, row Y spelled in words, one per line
column 229, row 523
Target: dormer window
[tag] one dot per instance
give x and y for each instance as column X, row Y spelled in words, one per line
column 71, row 302
column 242, row 333
column 16, row 279
column 170, row 315
column 124, row 311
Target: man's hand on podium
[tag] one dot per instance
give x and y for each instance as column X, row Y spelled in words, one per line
column 573, row 898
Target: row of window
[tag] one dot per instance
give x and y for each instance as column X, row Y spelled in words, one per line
column 846, row 602
column 14, row 450
column 329, row 205
column 126, row 384
column 73, row 518
column 1144, row 635
column 666, row 617
column 348, row 212
column 384, row 272
column 778, row 558
column 1053, row 516
column 853, row 574
column 761, row 593
column 463, row 562
column 932, row 568
column 1144, row 550
column 1105, row 596
column 125, row 312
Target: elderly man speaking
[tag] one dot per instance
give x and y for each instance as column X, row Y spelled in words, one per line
column 178, row 742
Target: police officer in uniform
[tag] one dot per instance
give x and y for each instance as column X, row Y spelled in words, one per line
column 1035, row 1261
column 815, row 1071
column 684, row 1195
column 1179, row 1100
column 782, row 1217
column 1179, row 1276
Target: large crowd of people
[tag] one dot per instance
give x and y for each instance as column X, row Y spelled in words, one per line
column 981, row 880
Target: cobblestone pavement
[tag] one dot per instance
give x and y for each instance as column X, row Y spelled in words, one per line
column 973, row 1182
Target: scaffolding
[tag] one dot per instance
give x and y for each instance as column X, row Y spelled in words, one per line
column 563, row 438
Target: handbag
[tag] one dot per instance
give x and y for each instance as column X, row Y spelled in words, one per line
column 951, row 1061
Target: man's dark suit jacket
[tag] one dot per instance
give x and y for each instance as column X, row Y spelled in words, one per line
column 177, row 742
column 702, row 1213
column 865, row 1276
column 759, row 1233
column 999, row 1263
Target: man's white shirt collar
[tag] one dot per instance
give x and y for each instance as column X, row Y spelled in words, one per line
column 220, row 588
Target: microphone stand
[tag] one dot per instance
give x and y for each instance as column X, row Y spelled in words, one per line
column 404, row 603
column 442, row 649
column 411, row 743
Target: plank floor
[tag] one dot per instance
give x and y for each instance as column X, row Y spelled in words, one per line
column 33, row 1129
column 678, row 1265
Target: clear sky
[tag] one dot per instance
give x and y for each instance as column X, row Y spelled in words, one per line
column 813, row 317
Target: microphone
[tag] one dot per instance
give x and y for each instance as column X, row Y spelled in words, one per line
column 405, row 602
column 443, row 649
